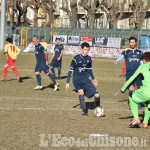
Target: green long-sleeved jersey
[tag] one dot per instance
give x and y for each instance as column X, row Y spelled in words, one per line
column 143, row 69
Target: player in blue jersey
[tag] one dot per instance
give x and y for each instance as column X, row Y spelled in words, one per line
column 42, row 64
column 133, row 58
column 56, row 60
column 81, row 66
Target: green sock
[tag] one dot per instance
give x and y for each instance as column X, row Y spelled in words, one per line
column 147, row 115
column 134, row 108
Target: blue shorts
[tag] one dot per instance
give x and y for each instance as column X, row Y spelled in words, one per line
column 87, row 86
column 137, row 81
column 42, row 66
column 56, row 64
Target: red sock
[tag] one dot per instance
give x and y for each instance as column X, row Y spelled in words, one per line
column 5, row 72
column 124, row 68
column 15, row 71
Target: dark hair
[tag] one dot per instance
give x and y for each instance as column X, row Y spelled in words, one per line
column 85, row 44
column 57, row 39
column 146, row 56
column 132, row 38
column 9, row 40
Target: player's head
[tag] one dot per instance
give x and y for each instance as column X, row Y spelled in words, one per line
column 42, row 39
column 9, row 40
column 132, row 42
column 146, row 57
column 85, row 48
column 35, row 40
column 58, row 40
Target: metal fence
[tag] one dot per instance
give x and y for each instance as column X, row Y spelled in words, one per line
column 46, row 32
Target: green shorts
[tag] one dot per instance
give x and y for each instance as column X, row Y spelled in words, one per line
column 141, row 95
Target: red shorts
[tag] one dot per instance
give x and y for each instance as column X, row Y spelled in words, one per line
column 10, row 61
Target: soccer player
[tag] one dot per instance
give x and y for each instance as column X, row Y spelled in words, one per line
column 12, row 52
column 42, row 64
column 56, row 59
column 44, row 43
column 141, row 95
column 133, row 58
column 81, row 66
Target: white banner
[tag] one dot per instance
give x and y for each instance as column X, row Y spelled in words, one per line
column 74, row 50
column 114, row 42
column 63, row 38
column 73, row 40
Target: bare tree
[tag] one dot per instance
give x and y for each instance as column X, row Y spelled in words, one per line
column 49, row 8
column 139, row 9
column 113, row 11
column 71, row 11
column 91, row 6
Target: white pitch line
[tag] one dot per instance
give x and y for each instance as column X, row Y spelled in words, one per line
column 46, row 99
column 58, row 109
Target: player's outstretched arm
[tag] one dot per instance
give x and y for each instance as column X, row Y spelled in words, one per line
column 120, row 58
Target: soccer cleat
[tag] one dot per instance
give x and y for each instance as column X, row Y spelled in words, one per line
column 134, row 122
column 56, row 86
column 121, row 75
column 145, row 125
column 3, row 79
column 39, row 87
column 18, row 78
column 84, row 113
column 59, row 78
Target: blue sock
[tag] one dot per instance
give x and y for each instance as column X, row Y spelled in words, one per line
column 38, row 77
column 82, row 102
column 97, row 101
column 51, row 77
column 53, row 71
column 130, row 93
column 59, row 71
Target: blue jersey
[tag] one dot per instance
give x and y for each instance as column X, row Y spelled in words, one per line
column 39, row 53
column 58, row 49
column 132, row 59
column 81, row 66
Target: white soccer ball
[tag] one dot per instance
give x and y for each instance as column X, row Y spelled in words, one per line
column 99, row 111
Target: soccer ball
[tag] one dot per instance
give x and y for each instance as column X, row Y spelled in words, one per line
column 99, row 111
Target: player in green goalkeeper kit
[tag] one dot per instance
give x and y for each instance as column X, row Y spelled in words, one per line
column 141, row 95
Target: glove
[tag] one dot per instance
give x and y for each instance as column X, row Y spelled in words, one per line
column 118, row 92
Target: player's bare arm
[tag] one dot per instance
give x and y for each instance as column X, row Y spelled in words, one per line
column 67, row 86
column 46, row 57
column 53, row 56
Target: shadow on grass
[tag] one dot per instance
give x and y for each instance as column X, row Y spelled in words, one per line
column 21, row 78
column 89, row 105
column 49, row 86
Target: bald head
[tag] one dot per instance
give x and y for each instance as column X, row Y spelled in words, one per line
column 35, row 40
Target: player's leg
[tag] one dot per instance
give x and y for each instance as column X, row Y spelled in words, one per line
column 12, row 65
column 52, row 68
column 82, row 102
column 131, row 89
column 38, row 77
column 138, row 96
column 45, row 68
column 5, row 72
column 97, row 99
column 59, row 68
column 59, row 72
column 146, row 115
column 123, row 69
column 139, row 85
